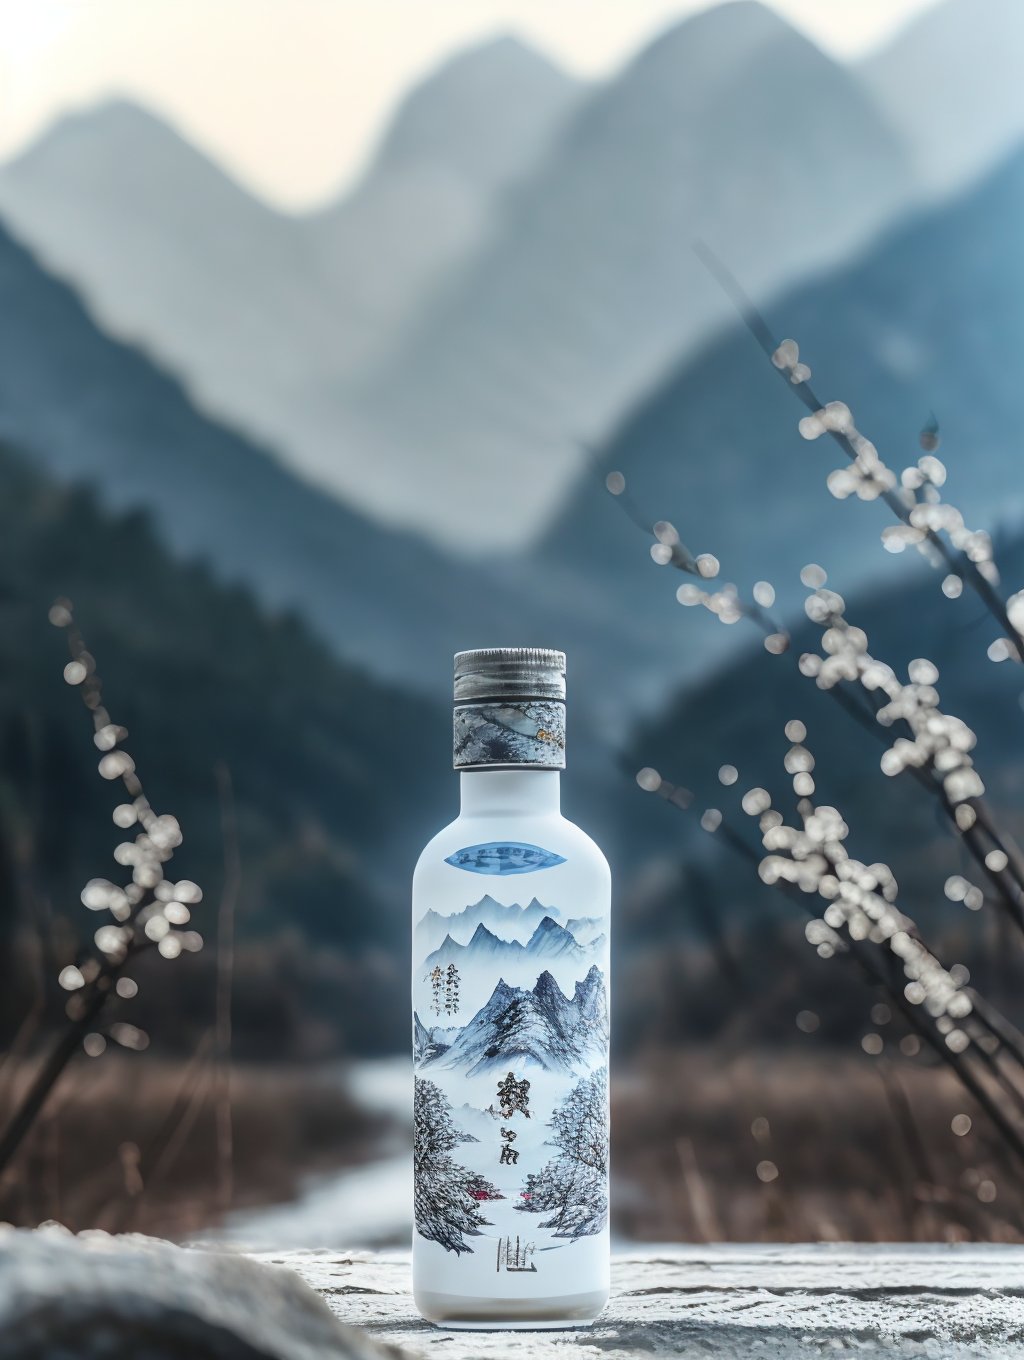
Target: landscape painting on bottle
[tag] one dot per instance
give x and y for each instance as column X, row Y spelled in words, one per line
column 511, row 1051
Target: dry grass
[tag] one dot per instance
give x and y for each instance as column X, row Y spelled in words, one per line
column 129, row 1143
column 863, row 1148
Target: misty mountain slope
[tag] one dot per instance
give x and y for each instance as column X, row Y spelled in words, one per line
column 716, row 449
column 950, row 83
column 457, row 143
column 174, row 255
column 257, row 310
column 591, row 288
column 90, row 408
column 207, row 684
column 539, row 1027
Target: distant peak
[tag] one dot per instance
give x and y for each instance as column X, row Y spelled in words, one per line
column 548, row 925
column 722, row 34
column 482, row 933
column 506, row 51
column 117, row 115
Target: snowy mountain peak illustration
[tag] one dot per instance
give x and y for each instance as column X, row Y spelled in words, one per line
column 591, row 999
column 584, row 928
column 540, row 1027
column 484, row 945
column 508, row 923
column 429, row 1043
column 550, row 940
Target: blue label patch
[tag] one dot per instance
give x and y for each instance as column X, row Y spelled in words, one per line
column 504, row 857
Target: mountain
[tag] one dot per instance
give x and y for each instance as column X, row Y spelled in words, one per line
column 552, row 941
column 258, row 310
column 211, row 688
column 541, row 1028
column 458, row 143
column 548, row 941
column 929, row 320
column 89, row 408
column 584, row 929
column 949, row 82
column 507, row 922
column 428, row 1044
column 483, row 947
column 591, row 288
column 175, row 256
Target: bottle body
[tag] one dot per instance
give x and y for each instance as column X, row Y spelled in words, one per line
column 511, row 925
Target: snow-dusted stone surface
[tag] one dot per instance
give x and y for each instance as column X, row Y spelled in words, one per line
column 97, row 1297
column 731, row 1301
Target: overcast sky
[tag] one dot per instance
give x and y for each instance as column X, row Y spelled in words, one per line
column 290, row 94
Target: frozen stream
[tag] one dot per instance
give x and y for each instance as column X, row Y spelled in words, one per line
column 369, row 1205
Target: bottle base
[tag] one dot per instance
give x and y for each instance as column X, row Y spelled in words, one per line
column 459, row 1313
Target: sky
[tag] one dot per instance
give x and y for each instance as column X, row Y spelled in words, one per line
column 290, row 95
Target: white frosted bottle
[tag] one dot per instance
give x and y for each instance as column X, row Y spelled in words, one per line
column 510, row 951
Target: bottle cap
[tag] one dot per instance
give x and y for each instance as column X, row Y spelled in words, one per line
column 509, row 673
column 509, row 709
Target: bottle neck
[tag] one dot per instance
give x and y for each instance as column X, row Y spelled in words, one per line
column 486, row 793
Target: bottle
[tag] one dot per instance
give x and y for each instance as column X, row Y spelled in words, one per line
column 510, row 1021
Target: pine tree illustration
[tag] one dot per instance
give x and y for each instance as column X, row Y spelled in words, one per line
column 447, row 1195
column 572, row 1186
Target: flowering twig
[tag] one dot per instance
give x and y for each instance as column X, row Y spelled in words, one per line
column 149, row 912
column 936, row 748
column 811, row 859
column 937, row 529
column 937, row 753
column 724, row 601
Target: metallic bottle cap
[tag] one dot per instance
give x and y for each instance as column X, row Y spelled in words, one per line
column 509, row 672
column 509, row 709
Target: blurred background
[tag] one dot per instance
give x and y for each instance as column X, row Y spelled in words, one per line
column 324, row 329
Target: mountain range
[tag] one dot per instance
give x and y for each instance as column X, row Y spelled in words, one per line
column 91, row 409
column 511, row 922
column 592, row 289
column 541, row 1027
column 258, row 311
column 512, row 270
column 548, row 941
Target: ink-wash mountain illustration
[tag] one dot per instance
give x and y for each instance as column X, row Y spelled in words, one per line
column 511, row 922
column 474, row 966
column 538, row 1028
column 548, row 941
column 585, row 929
column 430, row 1042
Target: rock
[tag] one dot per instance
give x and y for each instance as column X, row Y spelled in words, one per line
column 64, row 1297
